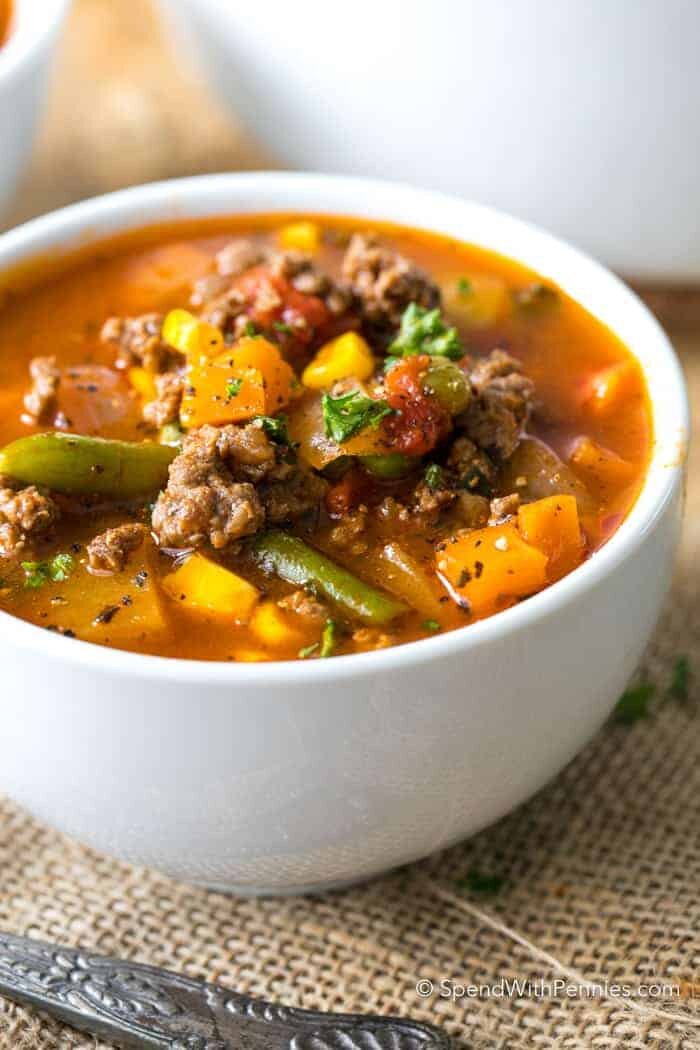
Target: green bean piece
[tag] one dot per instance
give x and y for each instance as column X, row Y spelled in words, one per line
column 297, row 563
column 88, row 465
column 391, row 465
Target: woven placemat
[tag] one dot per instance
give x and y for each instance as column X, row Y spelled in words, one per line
column 599, row 874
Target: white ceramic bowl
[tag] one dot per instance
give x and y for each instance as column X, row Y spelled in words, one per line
column 286, row 776
column 579, row 115
column 24, row 63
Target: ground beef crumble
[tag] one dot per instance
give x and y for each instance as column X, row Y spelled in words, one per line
column 138, row 341
column 109, row 552
column 226, row 483
column 40, row 402
column 502, row 404
column 165, row 408
column 25, row 514
column 503, row 508
column 384, row 283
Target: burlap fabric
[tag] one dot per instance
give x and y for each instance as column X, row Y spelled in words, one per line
column 601, row 870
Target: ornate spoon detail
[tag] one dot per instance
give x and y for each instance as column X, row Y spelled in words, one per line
column 144, row 1008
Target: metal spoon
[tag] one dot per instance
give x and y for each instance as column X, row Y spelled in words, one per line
column 144, row 1008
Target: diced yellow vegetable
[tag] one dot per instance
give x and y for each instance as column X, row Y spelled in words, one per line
column 552, row 526
column 348, row 355
column 478, row 300
column 487, row 567
column 203, row 585
column 301, row 237
column 143, row 383
column 186, row 333
column 275, row 628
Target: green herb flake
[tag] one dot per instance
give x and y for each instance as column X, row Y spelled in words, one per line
column 251, row 330
column 280, row 326
column 633, row 705
column 329, row 638
column 476, row 881
column 233, row 388
column 434, row 476
column 275, row 427
column 308, row 651
column 344, row 416
column 431, row 625
column 680, row 679
column 37, row 573
column 424, row 332
column 464, row 286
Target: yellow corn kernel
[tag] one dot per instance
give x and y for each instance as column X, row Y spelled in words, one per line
column 300, row 237
column 186, row 333
column 348, row 355
column 273, row 627
column 143, row 383
column 204, row 585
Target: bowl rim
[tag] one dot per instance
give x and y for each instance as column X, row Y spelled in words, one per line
column 77, row 225
column 33, row 24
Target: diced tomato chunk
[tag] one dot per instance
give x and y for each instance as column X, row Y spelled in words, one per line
column 274, row 301
column 420, row 422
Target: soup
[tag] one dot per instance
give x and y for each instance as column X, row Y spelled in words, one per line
column 5, row 19
column 285, row 437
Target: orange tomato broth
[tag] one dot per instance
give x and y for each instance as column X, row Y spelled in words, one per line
column 57, row 305
column 5, row 20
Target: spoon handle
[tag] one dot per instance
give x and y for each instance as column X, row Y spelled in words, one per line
column 143, row 1008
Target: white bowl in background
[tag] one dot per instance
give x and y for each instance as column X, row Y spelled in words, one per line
column 580, row 116
column 281, row 777
column 25, row 60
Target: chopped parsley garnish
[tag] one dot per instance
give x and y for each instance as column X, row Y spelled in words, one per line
column 633, row 705
column 424, row 332
column 390, row 362
column 345, row 415
column 476, row 881
column 280, row 326
column 434, row 475
column 251, row 329
column 275, row 427
column 327, row 644
column 680, row 679
column 37, row 573
column 464, row 286
column 233, row 387
column 431, row 625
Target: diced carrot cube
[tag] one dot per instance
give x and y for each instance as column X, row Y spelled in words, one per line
column 217, row 393
column 611, row 385
column 552, row 526
column 301, row 236
column 487, row 566
column 278, row 376
column 143, row 383
column 600, row 467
